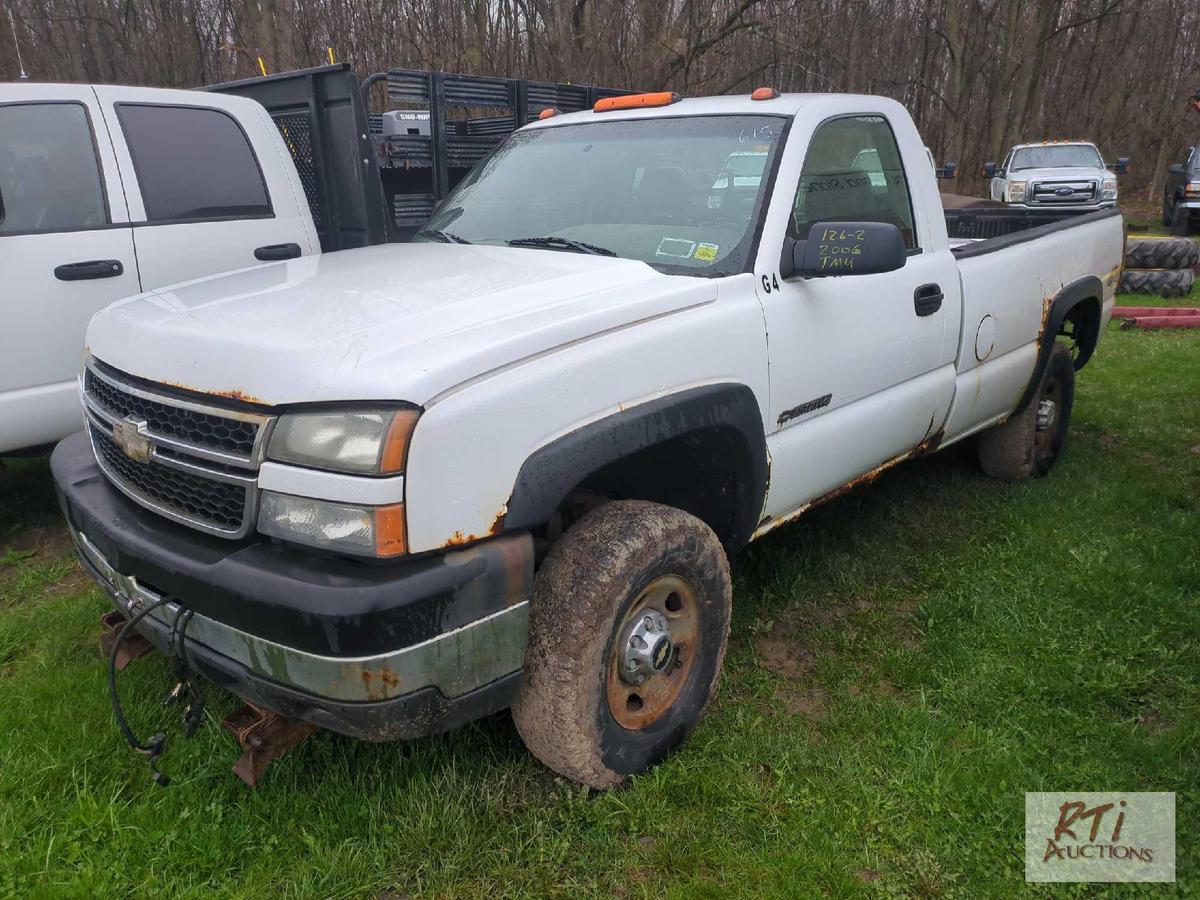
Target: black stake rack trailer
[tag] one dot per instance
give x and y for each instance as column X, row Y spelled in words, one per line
column 367, row 187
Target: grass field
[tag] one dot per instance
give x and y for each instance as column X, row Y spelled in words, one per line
column 906, row 662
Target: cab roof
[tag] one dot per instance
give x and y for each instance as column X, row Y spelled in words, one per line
column 735, row 104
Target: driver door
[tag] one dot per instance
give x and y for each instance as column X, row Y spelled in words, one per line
column 861, row 371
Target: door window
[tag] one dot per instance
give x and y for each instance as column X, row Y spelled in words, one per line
column 853, row 173
column 49, row 176
column 192, row 163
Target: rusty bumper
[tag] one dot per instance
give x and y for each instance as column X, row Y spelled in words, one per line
column 374, row 651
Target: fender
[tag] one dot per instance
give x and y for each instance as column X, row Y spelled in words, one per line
column 1087, row 330
column 551, row 472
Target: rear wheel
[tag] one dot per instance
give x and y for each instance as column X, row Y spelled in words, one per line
column 628, row 628
column 1029, row 444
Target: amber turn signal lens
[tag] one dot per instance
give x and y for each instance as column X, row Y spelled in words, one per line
column 636, row 101
column 395, row 442
column 764, row 93
column 548, row 112
column 391, row 536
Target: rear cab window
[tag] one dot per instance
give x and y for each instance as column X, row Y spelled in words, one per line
column 49, row 176
column 193, row 164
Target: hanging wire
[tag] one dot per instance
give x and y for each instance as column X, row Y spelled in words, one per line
column 13, row 24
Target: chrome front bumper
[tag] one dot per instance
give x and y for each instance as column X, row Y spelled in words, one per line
column 455, row 662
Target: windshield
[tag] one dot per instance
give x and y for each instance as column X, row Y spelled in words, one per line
column 655, row 190
column 1060, row 156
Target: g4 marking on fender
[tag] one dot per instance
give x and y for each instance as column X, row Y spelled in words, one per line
column 804, row 408
column 770, row 282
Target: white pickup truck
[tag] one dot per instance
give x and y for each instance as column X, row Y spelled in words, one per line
column 393, row 489
column 1055, row 175
column 108, row 191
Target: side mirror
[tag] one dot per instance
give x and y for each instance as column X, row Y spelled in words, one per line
column 989, row 170
column 1176, row 169
column 1122, row 165
column 949, row 170
column 845, row 248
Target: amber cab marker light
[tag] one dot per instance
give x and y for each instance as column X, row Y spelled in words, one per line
column 548, row 112
column 764, row 93
column 636, row 101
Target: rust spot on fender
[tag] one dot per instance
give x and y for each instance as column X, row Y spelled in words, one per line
column 1047, row 302
column 458, row 539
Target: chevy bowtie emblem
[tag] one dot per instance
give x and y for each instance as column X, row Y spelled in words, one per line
column 129, row 435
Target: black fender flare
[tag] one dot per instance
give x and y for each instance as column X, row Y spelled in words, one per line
column 551, row 472
column 1087, row 289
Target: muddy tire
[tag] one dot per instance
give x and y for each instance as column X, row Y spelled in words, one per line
column 603, row 696
column 1163, row 282
column 1029, row 443
column 1161, row 253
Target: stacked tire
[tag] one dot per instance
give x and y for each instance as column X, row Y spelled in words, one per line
column 1160, row 265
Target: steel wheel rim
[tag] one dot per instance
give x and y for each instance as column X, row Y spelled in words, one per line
column 637, row 706
column 1046, row 439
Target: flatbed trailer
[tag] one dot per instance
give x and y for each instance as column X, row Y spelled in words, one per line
column 366, row 187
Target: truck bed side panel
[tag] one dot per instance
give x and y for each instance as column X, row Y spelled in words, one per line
column 1007, row 294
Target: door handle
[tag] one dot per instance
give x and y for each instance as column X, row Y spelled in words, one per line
column 927, row 299
column 92, row 268
column 273, row 252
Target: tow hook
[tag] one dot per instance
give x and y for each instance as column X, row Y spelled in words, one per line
column 264, row 736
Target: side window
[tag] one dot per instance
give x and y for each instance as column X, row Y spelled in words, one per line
column 192, row 163
column 853, row 173
column 49, row 177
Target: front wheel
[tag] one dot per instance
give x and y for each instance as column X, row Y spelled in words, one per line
column 1029, row 444
column 628, row 627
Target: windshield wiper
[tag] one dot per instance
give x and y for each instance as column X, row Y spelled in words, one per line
column 446, row 237
column 560, row 243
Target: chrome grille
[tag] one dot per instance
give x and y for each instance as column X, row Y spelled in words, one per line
column 203, row 429
column 199, row 462
column 1065, row 192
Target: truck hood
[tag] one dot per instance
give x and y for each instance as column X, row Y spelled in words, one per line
column 392, row 322
column 1072, row 173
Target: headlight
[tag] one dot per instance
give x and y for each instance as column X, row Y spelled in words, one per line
column 1016, row 191
column 344, row 527
column 1109, row 189
column 1192, row 191
column 370, row 442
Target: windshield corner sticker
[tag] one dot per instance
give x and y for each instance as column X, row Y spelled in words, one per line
column 675, row 247
column 707, row 252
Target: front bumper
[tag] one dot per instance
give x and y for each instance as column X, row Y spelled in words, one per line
column 380, row 652
column 1069, row 207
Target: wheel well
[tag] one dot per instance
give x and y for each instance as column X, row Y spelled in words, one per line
column 1081, row 325
column 701, row 450
column 707, row 473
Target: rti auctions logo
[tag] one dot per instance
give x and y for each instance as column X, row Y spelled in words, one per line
column 1095, row 836
column 1076, row 810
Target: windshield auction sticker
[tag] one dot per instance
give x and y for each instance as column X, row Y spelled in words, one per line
column 1095, row 836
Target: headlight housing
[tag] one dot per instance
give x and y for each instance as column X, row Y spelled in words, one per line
column 378, row 531
column 1192, row 190
column 361, row 442
column 1108, row 190
column 1016, row 191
